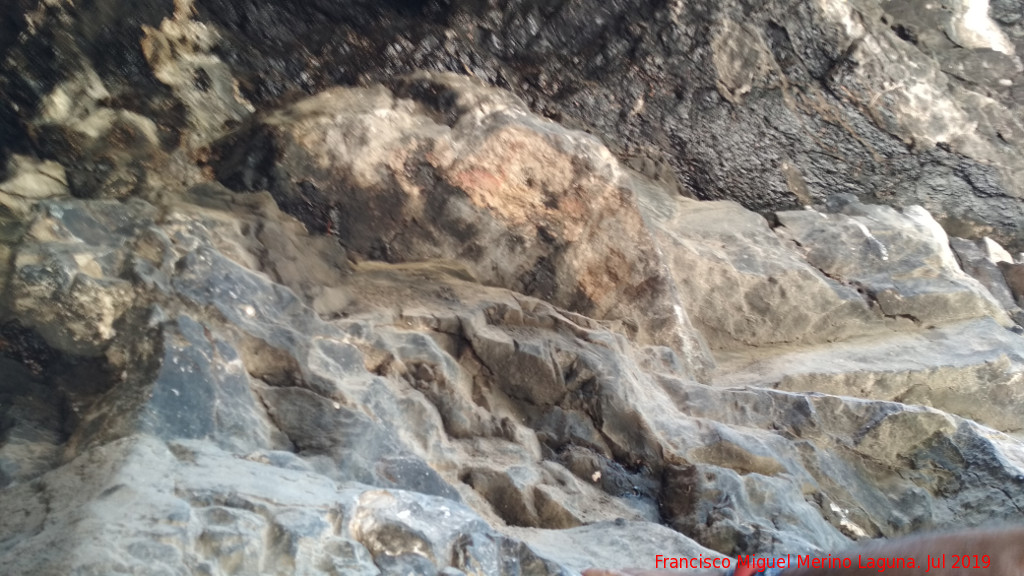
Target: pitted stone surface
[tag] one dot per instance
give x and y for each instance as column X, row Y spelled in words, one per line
column 273, row 302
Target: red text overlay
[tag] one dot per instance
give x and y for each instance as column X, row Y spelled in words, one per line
column 749, row 565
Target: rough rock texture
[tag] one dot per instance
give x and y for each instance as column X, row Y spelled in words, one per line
column 407, row 324
column 772, row 104
column 457, row 172
column 981, row 259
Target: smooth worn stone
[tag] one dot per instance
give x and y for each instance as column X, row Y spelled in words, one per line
column 901, row 262
column 970, row 368
column 742, row 285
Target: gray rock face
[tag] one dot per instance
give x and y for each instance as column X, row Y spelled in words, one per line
column 743, row 284
column 902, row 263
column 459, row 172
column 407, row 325
column 981, row 262
column 970, row 368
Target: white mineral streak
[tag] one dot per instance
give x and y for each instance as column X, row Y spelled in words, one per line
column 841, row 12
column 845, row 522
column 883, row 252
column 995, row 252
column 922, row 218
column 972, row 28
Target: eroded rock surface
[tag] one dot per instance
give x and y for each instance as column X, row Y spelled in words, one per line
column 772, row 105
column 406, row 324
column 457, row 171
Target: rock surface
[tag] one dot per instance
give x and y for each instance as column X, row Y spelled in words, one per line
column 910, row 102
column 459, row 172
column 421, row 324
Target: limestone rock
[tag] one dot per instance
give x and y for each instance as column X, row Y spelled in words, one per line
column 65, row 281
column 32, row 430
column 616, row 544
column 30, row 179
column 458, row 171
column 901, row 103
column 742, row 284
column 901, row 263
column 415, row 389
column 274, row 300
column 981, row 262
column 1013, row 274
column 189, row 508
column 970, row 368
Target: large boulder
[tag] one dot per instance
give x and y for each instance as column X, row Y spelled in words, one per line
column 446, row 168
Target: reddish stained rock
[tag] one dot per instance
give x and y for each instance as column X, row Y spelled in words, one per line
column 522, row 202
